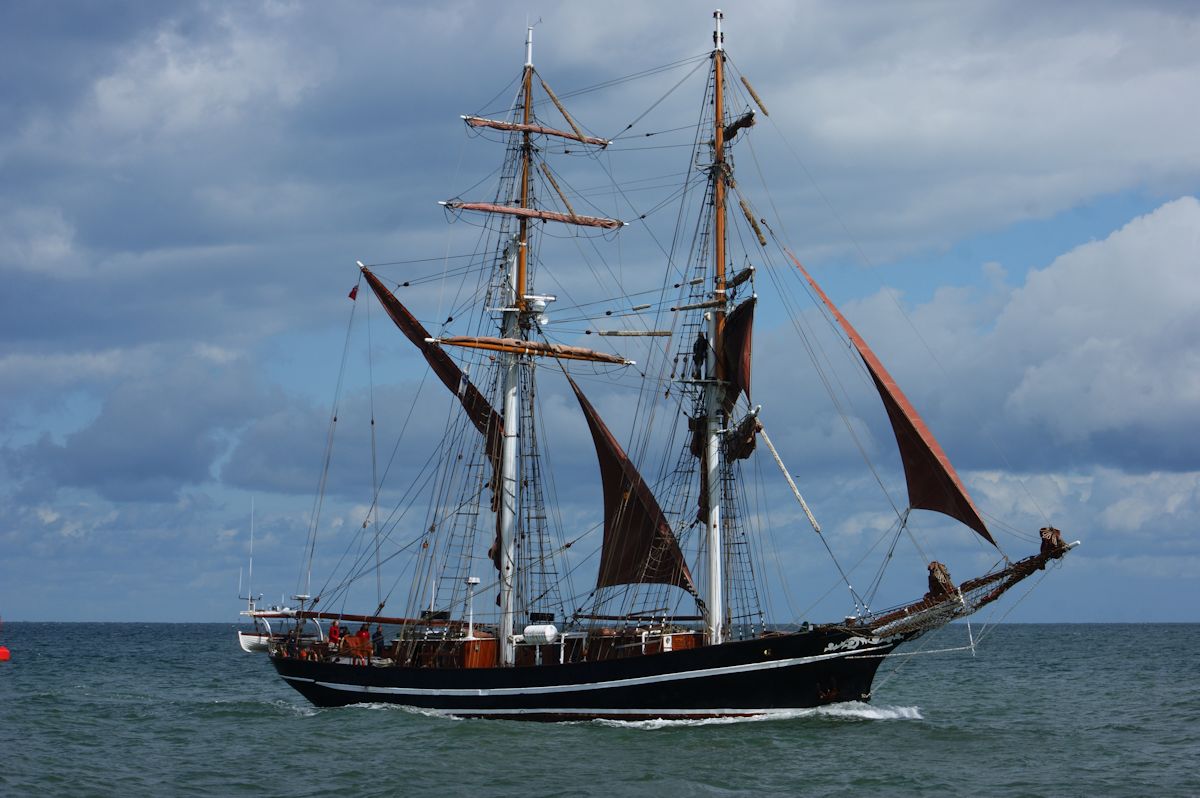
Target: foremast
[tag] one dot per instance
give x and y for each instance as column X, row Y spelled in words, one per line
column 714, row 377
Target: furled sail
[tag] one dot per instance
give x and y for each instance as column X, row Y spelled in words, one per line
column 521, row 346
column 639, row 547
column 477, row 407
column 535, row 213
column 478, row 121
column 932, row 481
column 741, row 440
column 736, row 345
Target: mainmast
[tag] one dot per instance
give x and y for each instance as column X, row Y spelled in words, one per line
column 518, row 260
column 714, row 375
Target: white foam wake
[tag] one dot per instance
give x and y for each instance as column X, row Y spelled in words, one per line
column 861, row 711
column 387, row 706
column 850, row 710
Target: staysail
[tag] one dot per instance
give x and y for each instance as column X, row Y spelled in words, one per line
column 638, row 547
column 477, row 407
column 932, row 481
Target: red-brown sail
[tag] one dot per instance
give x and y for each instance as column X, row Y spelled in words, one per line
column 639, row 547
column 478, row 409
column 932, row 481
column 736, row 345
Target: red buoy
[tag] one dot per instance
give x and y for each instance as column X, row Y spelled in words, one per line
column 4, row 655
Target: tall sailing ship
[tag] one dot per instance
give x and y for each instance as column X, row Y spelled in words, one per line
column 672, row 626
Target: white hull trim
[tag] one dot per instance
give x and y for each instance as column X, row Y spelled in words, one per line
column 608, row 712
column 585, row 686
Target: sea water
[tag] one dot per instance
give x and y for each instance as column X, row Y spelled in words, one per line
column 179, row 709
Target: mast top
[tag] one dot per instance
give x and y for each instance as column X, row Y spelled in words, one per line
column 529, row 46
column 718, row 34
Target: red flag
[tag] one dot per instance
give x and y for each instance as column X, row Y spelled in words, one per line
column 353, row 293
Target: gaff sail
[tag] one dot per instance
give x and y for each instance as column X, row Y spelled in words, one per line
column 639, row 547
column 932, row 481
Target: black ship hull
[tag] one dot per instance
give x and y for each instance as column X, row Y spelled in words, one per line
column 749, row 677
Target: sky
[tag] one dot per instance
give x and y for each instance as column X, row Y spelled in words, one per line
column 1001, row 196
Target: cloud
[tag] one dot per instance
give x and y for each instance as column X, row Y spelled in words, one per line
column 186, row 188
column 173, row 83
column 1092, row 360
column 1121, row 314
column 1068, row 398
column 60, row 371
column 160, row 428
column 37, row 239
column 972, row 120
column 224, row 151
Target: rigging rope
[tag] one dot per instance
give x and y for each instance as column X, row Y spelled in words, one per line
column 375, row 486
column 319, row 499
column 857, row 246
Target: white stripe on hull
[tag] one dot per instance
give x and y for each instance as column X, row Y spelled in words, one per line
column 608, row 712
column 586, row 686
